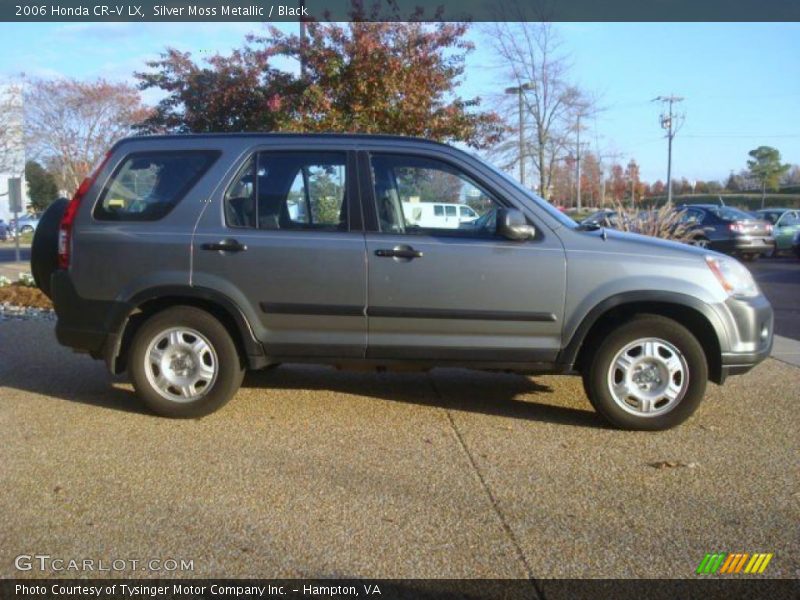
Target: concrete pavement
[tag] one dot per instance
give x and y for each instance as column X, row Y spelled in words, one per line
column 314, row 472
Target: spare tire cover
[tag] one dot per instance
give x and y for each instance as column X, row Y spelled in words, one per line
column 44, row 249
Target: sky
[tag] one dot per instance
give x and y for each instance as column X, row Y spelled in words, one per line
column 740, row 81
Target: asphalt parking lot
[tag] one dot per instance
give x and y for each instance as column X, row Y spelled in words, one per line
column 311, row 472
column 779, row 279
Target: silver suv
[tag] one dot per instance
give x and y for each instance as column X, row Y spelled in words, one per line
column 186, row 260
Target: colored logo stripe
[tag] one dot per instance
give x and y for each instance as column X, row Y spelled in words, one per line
column 711, row 563
column 734, row 563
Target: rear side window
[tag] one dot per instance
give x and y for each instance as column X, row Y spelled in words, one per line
column 148, row 185
column 290, row 190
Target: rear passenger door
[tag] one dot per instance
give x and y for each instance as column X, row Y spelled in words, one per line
column 284, row 239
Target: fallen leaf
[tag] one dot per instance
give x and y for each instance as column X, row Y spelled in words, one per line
column 672, row 464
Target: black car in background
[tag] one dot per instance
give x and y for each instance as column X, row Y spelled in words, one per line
column 729, row 230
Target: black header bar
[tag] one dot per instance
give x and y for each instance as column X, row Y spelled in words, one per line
column 399, row 10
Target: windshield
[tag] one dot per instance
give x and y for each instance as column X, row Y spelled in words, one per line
column 552, row 210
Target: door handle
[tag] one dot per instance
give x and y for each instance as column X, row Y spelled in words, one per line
column 402, row 251
column 229, row 245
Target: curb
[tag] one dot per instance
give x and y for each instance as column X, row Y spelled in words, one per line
column 786, row 350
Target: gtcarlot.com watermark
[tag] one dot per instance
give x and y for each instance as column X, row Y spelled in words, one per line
column 54, row 564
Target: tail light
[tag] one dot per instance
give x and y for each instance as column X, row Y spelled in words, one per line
column 769, row 228
column 736, row 227
column 65, row 227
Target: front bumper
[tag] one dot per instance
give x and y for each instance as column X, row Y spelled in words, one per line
column 749, row 324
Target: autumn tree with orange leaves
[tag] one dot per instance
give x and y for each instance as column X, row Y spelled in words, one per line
column 366, row 77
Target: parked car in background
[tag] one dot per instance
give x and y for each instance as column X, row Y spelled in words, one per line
column 729, row 230
column 25, row 224
column 785, row 224
column 605, row 217
column 447, row 215
column 3, row 231
column 796, row 244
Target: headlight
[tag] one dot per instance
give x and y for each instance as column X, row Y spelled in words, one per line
column 733, row 276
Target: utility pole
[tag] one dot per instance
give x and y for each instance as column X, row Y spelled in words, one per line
column 578, row 163
column 671, row 123
column 633, row 193
column 520, row 91
column 302, row 41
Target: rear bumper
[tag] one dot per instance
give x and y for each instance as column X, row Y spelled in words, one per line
column 745, row 244
column 84, row 325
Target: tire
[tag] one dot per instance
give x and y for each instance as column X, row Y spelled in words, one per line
column 699, row 241
column 673, row 344
column 172, row 332
column 44, row 248
column 26, row 229
column 749, row 257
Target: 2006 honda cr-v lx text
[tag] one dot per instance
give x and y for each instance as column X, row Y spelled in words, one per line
column 188, row 259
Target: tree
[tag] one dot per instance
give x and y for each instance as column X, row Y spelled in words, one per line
column 765, row 167
column 42, row 188
column 240, row 92
column 70, row 124
column 368, row 77
column 591, row 179
column 632, row 178
column 792, row 177
column 553, row 106
column 617, row 184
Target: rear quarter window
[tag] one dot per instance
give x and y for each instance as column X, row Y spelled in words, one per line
column 146, row 186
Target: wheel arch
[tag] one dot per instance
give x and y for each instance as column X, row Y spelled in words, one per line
column 692, row 313
column 146, row 303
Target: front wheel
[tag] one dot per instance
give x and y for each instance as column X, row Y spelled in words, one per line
column 183, row 363
column 649, row 374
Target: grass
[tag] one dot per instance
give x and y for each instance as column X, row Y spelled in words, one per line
column 24, row 240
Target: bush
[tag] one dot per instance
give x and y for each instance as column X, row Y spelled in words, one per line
column 26, row 280
column 664, row 222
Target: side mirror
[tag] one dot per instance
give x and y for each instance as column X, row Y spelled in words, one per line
column 512, row 225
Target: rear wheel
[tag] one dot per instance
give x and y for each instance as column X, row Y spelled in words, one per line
column 649, row 374
column 749, row 257
column 700, row 242
column 183, row 363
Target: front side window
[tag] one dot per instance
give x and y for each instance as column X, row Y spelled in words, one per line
column 423, row 196
column 294, row 190
column 148, row 185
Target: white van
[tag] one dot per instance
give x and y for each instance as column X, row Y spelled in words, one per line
column 439, row 215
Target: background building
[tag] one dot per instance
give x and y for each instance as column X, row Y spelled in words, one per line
column 12, row 145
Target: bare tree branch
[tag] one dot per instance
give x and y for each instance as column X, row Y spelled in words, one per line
column 70, row 124
column 531, row 55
